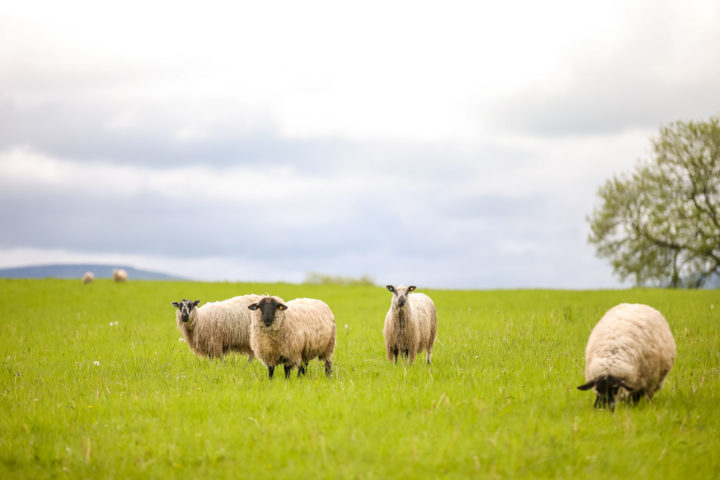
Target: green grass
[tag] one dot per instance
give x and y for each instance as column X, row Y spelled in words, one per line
column 499, row 400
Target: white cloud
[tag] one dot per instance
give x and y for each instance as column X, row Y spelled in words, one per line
column 24, row 168
column 571, row 168
column 376, row 70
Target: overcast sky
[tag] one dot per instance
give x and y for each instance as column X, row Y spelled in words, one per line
column 444, row 144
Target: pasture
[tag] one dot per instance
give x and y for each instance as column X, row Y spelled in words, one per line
column 96, row 384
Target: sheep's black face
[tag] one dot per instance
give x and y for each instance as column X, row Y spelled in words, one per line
column 185, row 307
column 401, row 293
column 606, row 389
column 268, row 306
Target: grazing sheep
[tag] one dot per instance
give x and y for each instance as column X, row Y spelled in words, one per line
column 88, row 277
column 120, row 275
column 216, row 328
column 631, row 348
column 410, row 324
column 292, row 333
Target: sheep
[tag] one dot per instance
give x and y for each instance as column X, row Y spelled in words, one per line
column 631, row 348
column 292, row 333
column 120, row 275
column 410, row 324
column 216, row 328
column 88, row 277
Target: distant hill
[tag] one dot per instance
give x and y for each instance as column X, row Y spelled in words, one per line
column 77, row 271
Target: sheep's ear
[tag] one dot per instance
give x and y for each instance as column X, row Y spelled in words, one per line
column 282, row 307
column 587, row 386
column 254, row 306
column 176, row 304
column 195, row 303
column 390, row 287
column 411, row 288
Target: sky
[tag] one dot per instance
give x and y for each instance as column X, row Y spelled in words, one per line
column 442, row 144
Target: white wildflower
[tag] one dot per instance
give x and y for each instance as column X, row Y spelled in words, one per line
column 96, row 362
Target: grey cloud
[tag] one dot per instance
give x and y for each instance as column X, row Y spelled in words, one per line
column 416, row 235
column 422, row 247
column 80, row 132
column 608, row 105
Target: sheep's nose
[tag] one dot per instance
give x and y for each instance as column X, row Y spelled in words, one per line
column 401, row 301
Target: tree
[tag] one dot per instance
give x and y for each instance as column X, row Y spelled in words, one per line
column 660, row 225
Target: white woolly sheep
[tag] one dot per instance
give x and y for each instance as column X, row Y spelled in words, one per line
column 216, row 328
column 292, row 333
column 88, row 277
column 410, row 324
column 631, row 348
column 120, row 275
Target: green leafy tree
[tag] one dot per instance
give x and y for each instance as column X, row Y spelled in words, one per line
column 660, row 225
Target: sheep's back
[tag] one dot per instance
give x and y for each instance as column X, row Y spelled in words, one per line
column 422, row 312
column 229, row 319
column 312, row 321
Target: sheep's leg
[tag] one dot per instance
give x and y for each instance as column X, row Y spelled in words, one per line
column 429, row 356
column 288, row 369
column 410, row 355
column 636, row 396
column 396, row 353
column 251, row 355
column 328, row 367
column 302, row 369
column 389, row 352
column 271, row 370
column 215, row 349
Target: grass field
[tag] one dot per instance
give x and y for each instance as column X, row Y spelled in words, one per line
column 95, row 384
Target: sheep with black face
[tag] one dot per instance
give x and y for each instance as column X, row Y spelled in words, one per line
column 628, row 355
column 216, row 328
column 293, row 333
column 410, row 324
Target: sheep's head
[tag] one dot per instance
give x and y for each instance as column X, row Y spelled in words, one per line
column 400, row 293
column 268, row 306
column 185, row 307
column 606, row 389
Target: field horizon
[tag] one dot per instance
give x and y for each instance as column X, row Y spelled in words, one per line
column 96, row 384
